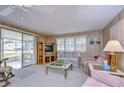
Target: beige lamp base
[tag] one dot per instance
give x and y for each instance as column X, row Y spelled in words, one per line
column 112, row 61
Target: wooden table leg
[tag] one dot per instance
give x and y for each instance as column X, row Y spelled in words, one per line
column 46, row 70
column 66, row 73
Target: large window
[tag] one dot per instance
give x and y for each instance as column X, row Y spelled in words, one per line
column 72, row 44
column 80, row 44
column 28, row 53
column 17, row 47
column 11, row 47
column 60, row 44
column 69, row 44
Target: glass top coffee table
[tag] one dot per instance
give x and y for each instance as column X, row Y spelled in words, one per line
column 64, row 67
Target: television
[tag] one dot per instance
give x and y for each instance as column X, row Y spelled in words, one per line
column 48, row 48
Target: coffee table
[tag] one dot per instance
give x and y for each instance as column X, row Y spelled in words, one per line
column 64, row 67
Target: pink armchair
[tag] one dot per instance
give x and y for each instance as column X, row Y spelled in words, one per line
column 99, row 61
column 101, row 79
column 85, row 64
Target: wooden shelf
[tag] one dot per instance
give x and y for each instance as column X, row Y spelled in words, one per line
column 40, row 53
column 44, row 58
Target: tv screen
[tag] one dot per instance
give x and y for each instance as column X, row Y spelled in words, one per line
column 48, row 48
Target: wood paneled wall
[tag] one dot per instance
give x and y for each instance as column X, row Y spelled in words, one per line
column 115, row 30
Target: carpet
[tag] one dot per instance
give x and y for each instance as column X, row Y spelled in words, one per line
column 22, row 73
column 34, row 76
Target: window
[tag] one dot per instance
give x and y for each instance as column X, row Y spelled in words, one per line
column 80, row 43
column 60, row 44
column 28, row 47
column 11, row 47
column 18, row 47
column 69, row 44
column 72, row 44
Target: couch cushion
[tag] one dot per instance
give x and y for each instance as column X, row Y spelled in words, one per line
column 100, row 60
column 91, row 82
column 103, row 55
column 107, row 78
column 62, row 54
column 74, row 61
column 69, row 59
column 69, row 54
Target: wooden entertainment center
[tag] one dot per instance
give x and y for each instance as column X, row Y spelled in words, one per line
column 46, row 55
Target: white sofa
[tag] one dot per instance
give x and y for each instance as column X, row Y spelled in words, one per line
column 72, row 57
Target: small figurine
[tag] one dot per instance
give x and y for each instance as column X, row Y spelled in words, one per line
column 106, row 66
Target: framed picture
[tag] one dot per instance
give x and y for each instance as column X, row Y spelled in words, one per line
column 95, row 41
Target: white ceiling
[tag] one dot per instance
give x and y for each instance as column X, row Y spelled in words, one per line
column 62, row 19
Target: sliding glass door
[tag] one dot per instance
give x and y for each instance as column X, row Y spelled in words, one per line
column 17, row 47
column 11, row 47
column 28, row 49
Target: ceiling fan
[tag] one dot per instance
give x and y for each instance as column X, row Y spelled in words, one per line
column 12, row 8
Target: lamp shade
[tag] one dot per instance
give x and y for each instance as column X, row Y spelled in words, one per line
column 113, row 46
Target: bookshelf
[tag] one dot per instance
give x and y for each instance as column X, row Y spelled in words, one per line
column 40, row 53
column 44, row 57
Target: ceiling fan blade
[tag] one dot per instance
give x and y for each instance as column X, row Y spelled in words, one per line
column 25, row 10
column 7, row 11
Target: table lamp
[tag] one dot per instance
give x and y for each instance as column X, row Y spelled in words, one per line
column 113, row 47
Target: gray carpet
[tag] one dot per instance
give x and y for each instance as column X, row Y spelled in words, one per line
column 22, row 73
column 34, row 76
